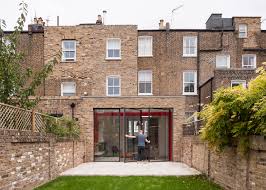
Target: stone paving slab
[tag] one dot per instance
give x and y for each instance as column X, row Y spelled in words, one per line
column 131, row 169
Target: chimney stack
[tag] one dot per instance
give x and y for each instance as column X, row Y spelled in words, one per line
column 37, row 26
column 99, row 20
column 161, row 24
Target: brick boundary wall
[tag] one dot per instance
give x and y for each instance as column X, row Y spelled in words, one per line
column 229, row 169
column 29, row 159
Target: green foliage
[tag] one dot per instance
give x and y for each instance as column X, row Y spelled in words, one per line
column 18, row 82
column 235, row 114
column 62, row 127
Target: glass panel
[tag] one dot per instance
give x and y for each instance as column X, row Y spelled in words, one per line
column 192, row 50
column 106, row 134
column 141, row 87
column 116, row 53
column 69, row 87
column 155, row 125
column 187, row 42
column 116, row 90
column 148, row 76
column 141, row 76
column 110, row 90
column 110, row 53
column 192, row 42
column 116, row 81
column 110, row 81
column 245, row 60
column 189, row 77
column 113, row 44
column 221, row 61
column 111, row 125
column 148, row 87
column 69, row 45
column 189, row 87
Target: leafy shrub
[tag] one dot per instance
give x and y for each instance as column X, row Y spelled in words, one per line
column 63, row 127
column 235, row 114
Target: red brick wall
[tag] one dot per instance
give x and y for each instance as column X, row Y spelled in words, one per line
column 30, row 159
column 229, row 169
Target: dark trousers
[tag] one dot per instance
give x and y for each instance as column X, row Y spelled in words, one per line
column 141, row 153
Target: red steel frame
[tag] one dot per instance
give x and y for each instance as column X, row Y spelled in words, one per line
column 170, row 123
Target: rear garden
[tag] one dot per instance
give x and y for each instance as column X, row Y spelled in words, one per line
column 130, row 183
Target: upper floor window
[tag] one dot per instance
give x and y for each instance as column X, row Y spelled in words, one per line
column 243, row 30
column 68, row 50
column 249, row 61
column 222, row 61
column 145, row 82
column 189, row 83
column 144, row 46
column 113, row 86
column 238, row 82
column 68, row 89
column 113, row 48
column 189, row 46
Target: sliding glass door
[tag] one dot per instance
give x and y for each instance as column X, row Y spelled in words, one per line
column 112, row 125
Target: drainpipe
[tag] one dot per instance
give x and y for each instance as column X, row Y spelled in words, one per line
column 198, row 70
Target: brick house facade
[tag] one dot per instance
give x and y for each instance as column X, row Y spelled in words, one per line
column 121, row 67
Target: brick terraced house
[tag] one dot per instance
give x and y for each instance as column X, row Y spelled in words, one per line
column 113, row 77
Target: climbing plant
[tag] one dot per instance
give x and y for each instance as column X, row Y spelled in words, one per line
column 235, row 114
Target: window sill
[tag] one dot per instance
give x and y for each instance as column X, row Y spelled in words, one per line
column 251, row 68
column 113, row 95
column 189, row 56
column 145, row 56
column 63, row 62
column 113, row 59
column 190, row 94
column 144, row 94
column 222, row 68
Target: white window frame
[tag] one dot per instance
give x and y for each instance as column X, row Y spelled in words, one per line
column 195, row 83
column 145, row 54
column 243, row 82
column 107, row 44
column 144, row 71
column 255, row 61
column 227, row 61
column 113, row 76
column 243, row 29
column 184, row 46
column 70, row 82
column 75, row 50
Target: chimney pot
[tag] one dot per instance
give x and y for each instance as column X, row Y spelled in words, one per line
column 167, row 26
column 99, row 19
column 161, row 24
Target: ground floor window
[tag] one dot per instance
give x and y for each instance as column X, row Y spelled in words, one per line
column 111, row 126
column 239, row 82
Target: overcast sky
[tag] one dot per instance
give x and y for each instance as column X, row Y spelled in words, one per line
column 144, row 13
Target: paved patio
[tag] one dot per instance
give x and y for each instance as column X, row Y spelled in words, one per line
column 131, row 169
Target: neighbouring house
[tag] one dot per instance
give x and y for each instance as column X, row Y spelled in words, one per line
column 116, row 79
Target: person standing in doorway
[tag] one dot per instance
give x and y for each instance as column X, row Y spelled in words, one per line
column 141, row 143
